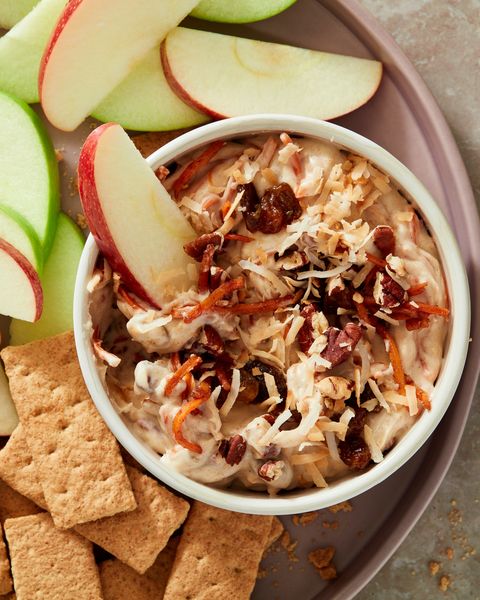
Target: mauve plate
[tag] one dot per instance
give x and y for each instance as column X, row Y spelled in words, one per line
column 404, row 118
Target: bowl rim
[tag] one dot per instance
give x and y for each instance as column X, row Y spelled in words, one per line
column 453, row 362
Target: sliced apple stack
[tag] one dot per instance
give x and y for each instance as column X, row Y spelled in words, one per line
column 137, row 226
column 94, row 46
column 261, row 77
column 13, row 11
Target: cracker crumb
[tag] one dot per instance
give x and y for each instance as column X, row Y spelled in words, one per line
column 330, row 524
column 444, row 583
column 321, row 559
column 81, row 221
column 59, row 154
column 434, row 567
column 450, row 553
column 342, row 507
column 305, row 518
column 289, row 545
column 262, row 573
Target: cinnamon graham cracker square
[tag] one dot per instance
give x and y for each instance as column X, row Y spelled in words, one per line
column 77, row 459
column 6, row 585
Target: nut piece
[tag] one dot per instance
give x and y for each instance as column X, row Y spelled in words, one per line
column 336, row 388
column 197, row 247
column 233, row 450
column 387, row 292
column 271, row 470
column 384, row 239
column 341, row 343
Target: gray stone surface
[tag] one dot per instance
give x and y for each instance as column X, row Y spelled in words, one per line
column 442, row 39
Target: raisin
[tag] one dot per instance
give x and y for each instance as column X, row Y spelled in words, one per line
column 277, row 208
column 305, row 333
column 355, row 426
column 233, row 450
column 339, row 298
column 354, row 452
column 252, row 381
column 249, row 387
column 384, row 239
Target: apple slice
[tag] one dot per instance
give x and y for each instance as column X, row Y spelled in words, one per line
column 13, row 11
column 94, row 47
column 248, row 76
column 21, row 296
column 240, row 11
column 137, row 226
column 8, row 414
column 19, row 233
column 145, row 102
column 28, row 168
column 21, row 50
column 58, row 282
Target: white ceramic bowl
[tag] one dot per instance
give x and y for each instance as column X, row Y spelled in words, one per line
column 456, row 349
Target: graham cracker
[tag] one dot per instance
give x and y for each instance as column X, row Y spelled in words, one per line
column 14, row 505
column 120, row 582
column 137, row 537
column 6, row 584
column 77, row 459
column 147, row 143
column 218, row 555
column 275, row 531
column 18, row 470
column 50, row 563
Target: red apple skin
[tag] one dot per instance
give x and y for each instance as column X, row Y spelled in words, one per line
column 179, row 90
column 185, row 96
column 60, row 26
column 94, row 214
column 29, row 271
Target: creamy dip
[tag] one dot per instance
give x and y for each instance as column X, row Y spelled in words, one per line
column 313, row 339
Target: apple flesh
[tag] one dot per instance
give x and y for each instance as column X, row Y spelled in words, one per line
column 13, row 11
column 94, row 46
column 249, row 76
column 8, row 414
column 21, row 296
column 58, row 282
column 21, row 50
column 145, row 102
column 19, row 233
column 240, row 11
column 28, row 169
column 136, row 224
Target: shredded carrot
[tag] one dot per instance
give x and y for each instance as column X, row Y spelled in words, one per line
column 237, row 237
column 394, row 355
column 417, row 323
column 376, row 260
column 423, row 398
column 433, row 310
column 257, row 307
column 175, row 359
column 209, row 202
column 180, row 373
column 122, row 292
column 225, row 208
column 223, row 290
column 197, row 163
column 199, row 397
column 415, row 290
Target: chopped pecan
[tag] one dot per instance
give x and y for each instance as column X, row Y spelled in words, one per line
column 277, row 208
column 339, row 297
column 341, row 343
column 270, row 470
column 305, row 334
column 205, row 267
column 387, row 292
column 233, row 450
column 336, row 388
column 384, row 239
column 354, row 452
column 197, row 247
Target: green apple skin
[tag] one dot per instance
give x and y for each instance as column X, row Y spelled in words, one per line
column 13, row 11
column 145, row 102
column 239, row 11
column 21, row 50
column 16, row 230
column 58, row 283
column 8, row 414
column 29, row 179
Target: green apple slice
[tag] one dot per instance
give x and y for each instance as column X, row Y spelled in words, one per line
column 21, row 50
column 145, row 102
column 239, row 11
column 20, row 234
column 8, row 414
column 58, row 281
column 13, row 11
column 28, row 168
